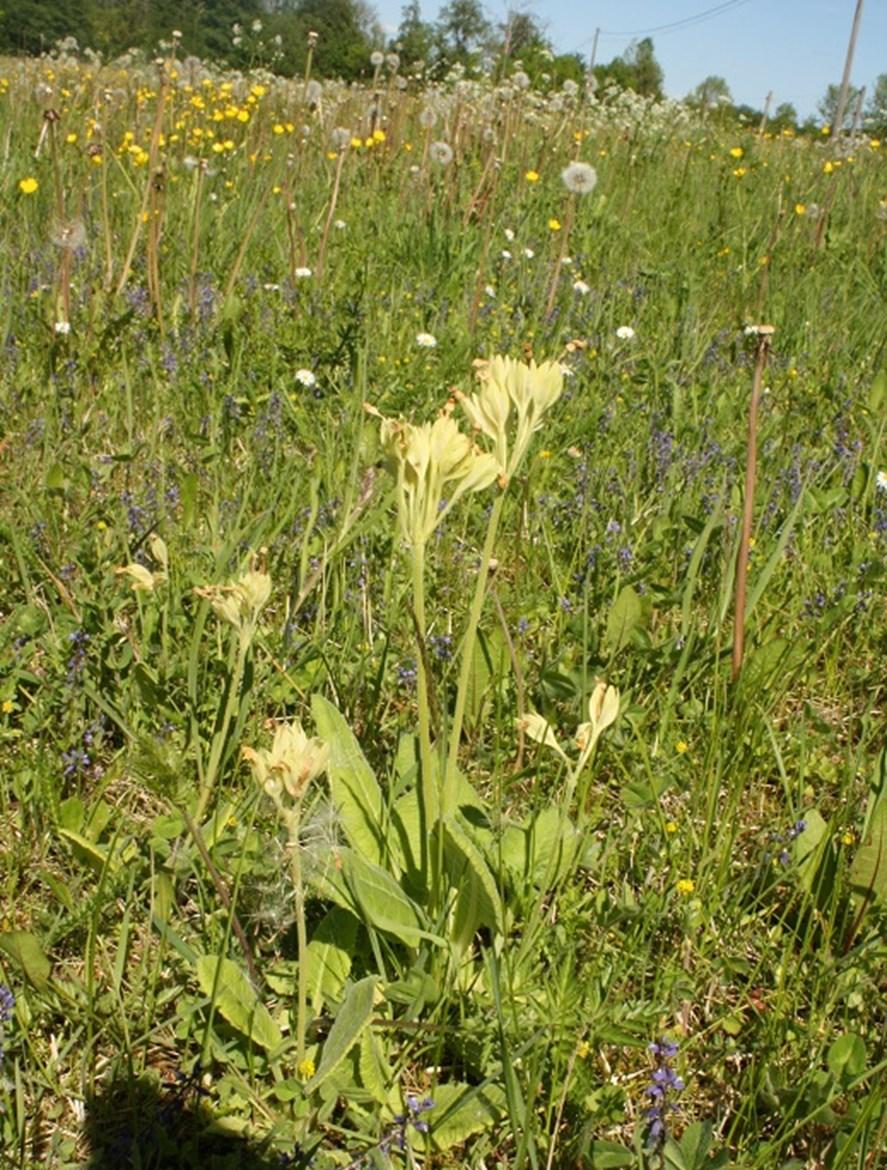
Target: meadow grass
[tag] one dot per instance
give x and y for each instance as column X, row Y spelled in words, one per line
column 424, row 951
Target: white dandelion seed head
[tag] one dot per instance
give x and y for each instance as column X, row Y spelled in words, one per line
column 441, row 152
column 340, row 137
column 377, row 59
column 521, row 80
column 579, row 178
column 570, row 87
column 426, row 340
column 306, row 378
column 427, row 117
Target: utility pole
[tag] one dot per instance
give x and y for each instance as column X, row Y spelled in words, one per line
column 591, row 81
column 848, row 66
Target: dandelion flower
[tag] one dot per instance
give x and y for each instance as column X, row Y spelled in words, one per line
column 306, row 378
column 441, row 152
column 736, row 152
column 579, row 178
column 800, row 209
column 625, row 333
column 427, row 117
column 28, row 186
column 532, row 176
column 426, row 340
column 554, row 225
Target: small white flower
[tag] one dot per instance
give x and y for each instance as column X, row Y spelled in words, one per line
column 426, row 340
column 306, row 378
column 63, row 327
column 489, row 290
column 581, row 287
column 302, row 273
column 271, row 287
column 625, row 333
column 509, row 234
column 567, row 371
column 340, row 225
column 505, row 254
column 529, row 253
column 567, row 260
column 881, row 481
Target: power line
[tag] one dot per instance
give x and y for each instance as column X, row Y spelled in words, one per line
column 684, row 22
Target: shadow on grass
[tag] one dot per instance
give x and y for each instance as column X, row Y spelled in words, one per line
column 146, row 1124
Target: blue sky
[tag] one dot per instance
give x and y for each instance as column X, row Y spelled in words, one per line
column 792, row 47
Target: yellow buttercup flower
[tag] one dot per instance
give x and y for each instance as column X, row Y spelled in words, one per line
column 736, row 152
column 28, row 186
column 554, row 225
column 532, row 176
column 685, row 886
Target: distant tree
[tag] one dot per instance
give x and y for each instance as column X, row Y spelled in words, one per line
column 711, row 91
column 876, row 107
column 415, row 37
column 33, row 26
column 784, row 117
column 637, row 69
column 347, row 31
column 828, row 106
column 462, row 28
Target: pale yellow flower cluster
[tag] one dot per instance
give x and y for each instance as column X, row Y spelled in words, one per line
column 509, row 386
column 603, row 708
column 290, row 764
column 435, row 465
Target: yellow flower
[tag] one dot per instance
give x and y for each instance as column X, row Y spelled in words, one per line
column 582, row 1049
column 277, row 128
column 875, row 143
column 736, row 152
column 827, row 168
column 379, row 135
column 305, row 1069
column 681, row 746
column 28, row 186
column 532, row 176
column 554, row 225
column 685, row 886
column 740, row 171
column 71, row 138
column 800, row 209
column 848, row 837
column 671, row 826
column 8, row 706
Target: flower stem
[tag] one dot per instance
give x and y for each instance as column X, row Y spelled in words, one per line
column 448, row 792
column 430, row 800
column 293, row 822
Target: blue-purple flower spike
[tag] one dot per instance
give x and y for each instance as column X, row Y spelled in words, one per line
column 663, row 1087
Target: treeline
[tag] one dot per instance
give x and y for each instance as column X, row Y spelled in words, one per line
column 274, row 34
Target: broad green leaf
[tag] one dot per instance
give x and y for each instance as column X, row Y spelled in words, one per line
column 328, row 958
column 24, row 949
column 355, row 792
column 488, row 663
column 868, row 872
column 351, row 1019
column 691, row 1151
column 623, row 619
column 375, row 1072
column 87, row 852
column 462, row 1110
column 808, row 848
column 846, row 1057
column 406, row 838
column 605, row 1155
column 381, row 903
column 477, row 902
column 236, row 1001
column 553, row 840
